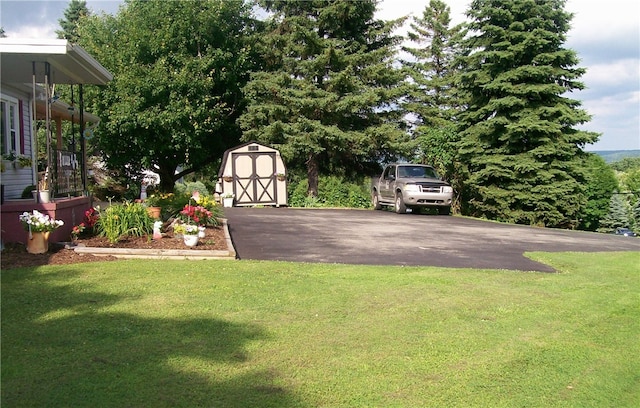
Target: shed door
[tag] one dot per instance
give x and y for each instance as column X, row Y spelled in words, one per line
column 255, row 180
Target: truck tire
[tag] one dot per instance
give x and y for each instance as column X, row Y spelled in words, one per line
column 399, row 204
column 376, row 201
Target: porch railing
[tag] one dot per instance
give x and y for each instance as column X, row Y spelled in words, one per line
column 67, row 176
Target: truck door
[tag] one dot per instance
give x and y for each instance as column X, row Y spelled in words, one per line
column 387, row 183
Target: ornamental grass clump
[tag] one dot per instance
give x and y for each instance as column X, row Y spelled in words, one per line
column 39, row 222
column 119, row 221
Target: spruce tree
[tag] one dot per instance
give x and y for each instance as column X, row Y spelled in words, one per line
column 430, row 100
column 69, row 24
column 520, row 145
column 327, row 97
column 618, row 215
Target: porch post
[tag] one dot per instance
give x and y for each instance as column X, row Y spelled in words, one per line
column 83, row 140
column 34, row 129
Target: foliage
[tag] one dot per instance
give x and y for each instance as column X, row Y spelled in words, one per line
column 176, row 93
column 28, row 191
column 119, row 221
column 172, row 204
column 430, row 97
column 520, row 145
column 618, row 215
column 76, row 10
column 189, row 187
column 333, row 192
column 197, row 214
column 327, row 97
column 600, row 184
column 276, row 334
column 626, row 164
column 36, row 221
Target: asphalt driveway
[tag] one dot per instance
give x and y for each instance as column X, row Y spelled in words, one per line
column 385, row 238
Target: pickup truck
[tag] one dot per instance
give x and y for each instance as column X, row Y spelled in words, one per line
column 414, row 186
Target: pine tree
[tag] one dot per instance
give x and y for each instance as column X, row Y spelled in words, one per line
column 520, row 144
column 430, row 99
column 327, row 96
column 618, row 215
column 69, row 24
column 431, row 69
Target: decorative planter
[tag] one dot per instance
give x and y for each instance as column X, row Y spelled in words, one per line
column 227, row 179
column 227, row 202
column 38, row 243
column 202, row 232
column 42, row 196
column 154, row 212
column 190, row 240
column 281, row 177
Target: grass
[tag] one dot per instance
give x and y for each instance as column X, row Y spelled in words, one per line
column 270, row 334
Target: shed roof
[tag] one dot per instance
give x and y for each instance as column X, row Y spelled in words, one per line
column 70, row 63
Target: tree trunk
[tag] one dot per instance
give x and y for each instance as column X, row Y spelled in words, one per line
column 167, row 179
column 312, row 175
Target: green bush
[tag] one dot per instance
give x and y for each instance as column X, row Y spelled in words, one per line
column 333, row 191
column 28, row 191
column 122, row 220
column 189, row 187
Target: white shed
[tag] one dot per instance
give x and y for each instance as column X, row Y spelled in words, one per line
column 254, row 174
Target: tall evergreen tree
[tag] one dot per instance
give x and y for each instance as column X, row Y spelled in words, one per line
column 69, row 24
column 519, row 138
column 327, row 97
column 430, row 100
column 431, row 67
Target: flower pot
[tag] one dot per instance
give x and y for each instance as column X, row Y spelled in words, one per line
column 227, row 179
column 202, row 232
column 154, row 212
column 42, row 196
column 190, row 240
column 227, row 202
column 38, row 243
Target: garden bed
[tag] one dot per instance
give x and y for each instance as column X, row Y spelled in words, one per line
column 216, row 244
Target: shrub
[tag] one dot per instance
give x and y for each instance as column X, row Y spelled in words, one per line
column 122, row 220
column 189, row 187
column 28, row 191
column 333, row 191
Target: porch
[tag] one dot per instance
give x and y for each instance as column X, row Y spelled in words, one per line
column 70, row 210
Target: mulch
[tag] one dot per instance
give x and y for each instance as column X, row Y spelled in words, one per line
column 16, row 255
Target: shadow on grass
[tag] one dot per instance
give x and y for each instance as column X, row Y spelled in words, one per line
column 70, row 345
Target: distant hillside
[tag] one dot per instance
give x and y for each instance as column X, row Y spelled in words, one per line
column 611, row 156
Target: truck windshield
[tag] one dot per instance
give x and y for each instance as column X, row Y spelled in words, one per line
column 417, row 172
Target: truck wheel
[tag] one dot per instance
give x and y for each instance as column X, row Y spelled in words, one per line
column 376, row 201
column 444, row 210
column 400, row 207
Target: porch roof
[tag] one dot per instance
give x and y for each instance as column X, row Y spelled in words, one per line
column 70, row 63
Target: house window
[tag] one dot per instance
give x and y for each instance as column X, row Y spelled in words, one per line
column 9, row 125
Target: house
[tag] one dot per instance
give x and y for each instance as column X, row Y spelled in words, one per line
column 29, row 71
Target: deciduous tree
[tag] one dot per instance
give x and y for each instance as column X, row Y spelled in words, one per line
column 178, row 71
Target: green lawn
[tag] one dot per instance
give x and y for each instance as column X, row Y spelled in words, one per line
column 269, row 334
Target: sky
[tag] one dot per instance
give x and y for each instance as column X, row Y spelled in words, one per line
column 605, row 34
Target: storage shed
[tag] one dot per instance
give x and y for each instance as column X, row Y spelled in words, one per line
column 253, row 174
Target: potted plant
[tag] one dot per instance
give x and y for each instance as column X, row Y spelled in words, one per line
column 227, row 199
column 39, row 226
column 227, row 178
column 281, row 176
column 190, row 235
column 43, row 193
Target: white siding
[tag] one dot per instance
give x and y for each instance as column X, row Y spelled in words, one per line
column 16, row 179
